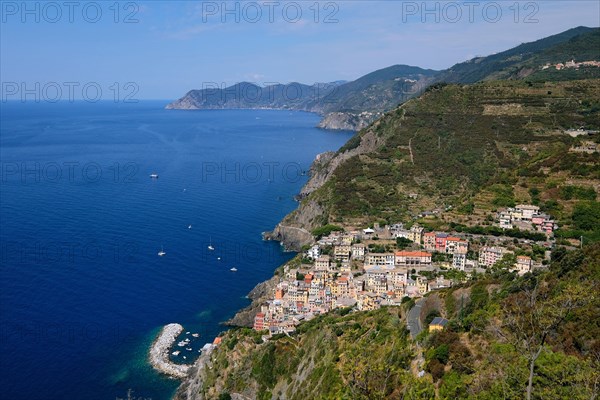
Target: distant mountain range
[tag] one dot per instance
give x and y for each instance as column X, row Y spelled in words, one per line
column 354, row 105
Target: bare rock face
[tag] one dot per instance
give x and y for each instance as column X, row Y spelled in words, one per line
column 259, row 295
column 347, row 121
column 318, row 173
column 184, row 103
column 191, row 387
column 295, row 229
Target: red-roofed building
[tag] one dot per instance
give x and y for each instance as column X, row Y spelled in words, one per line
column 413, row 258
column 342, row 286
column 217, row 341
column 456, row 245
column 429, row 241
column 308, row 278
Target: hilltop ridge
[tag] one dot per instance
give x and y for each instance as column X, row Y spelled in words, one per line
column 354, row 105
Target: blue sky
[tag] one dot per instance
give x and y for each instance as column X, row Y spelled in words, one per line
column 167, row 48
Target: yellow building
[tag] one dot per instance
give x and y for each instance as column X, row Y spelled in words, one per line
column 438, row 324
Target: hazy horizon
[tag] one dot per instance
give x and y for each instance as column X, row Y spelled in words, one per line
column 168, row 48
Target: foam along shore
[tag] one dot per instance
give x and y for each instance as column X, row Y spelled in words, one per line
column 159, row 352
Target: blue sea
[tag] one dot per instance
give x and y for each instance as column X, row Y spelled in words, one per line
column 83, row 291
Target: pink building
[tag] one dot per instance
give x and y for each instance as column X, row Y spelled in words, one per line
column 259, row 322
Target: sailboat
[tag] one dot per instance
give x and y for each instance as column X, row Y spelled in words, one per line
column 210, row 246
column 161, row 252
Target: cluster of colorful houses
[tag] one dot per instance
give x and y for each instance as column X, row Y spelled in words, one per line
column 526, row 217
column 353, row 274
column 572, row 64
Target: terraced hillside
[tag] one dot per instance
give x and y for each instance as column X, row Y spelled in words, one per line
column 456, row 149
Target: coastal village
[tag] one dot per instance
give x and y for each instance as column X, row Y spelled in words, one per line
column 369, row 268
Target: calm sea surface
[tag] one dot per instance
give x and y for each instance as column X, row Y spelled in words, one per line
column 83, row 291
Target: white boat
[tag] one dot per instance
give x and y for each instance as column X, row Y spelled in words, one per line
column 219, row 258
column 161, row 252
column 233, row 269
column 210, row 246
column 190, row 227
column 154, row 176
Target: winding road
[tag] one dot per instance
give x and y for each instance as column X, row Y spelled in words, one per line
column 413, row 320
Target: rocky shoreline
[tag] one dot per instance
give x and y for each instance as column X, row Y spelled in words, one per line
column 331, row 121
column 159, row 352
column 260, row 294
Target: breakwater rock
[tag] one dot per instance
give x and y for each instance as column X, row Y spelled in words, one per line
column 159, row 352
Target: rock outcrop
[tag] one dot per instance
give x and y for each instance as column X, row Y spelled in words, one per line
column 191, row 387
column 295, row 229
column 347, row 121
column 259, row 295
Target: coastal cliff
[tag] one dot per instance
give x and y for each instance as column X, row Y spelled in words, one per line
column 294, row 230
column 342, row 105
column 347, row 121
column 259, row 295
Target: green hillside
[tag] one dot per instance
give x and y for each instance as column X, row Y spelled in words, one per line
column 456, row 143
column 581, row 44
column 379, row 90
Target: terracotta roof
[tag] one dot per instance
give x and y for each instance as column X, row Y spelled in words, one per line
column 413, row 254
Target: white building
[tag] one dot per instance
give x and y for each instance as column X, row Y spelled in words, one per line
column 358, row 251
column 527, row 211
column 314, row 252
column 523, row 265
column 459, row 261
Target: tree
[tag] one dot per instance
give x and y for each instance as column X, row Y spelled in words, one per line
column 403, row 243
column 533, row 314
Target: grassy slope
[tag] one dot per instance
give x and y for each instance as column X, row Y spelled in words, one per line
column 378, row 90
column 356, row 356
column 484, row 145
column 580, row 43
